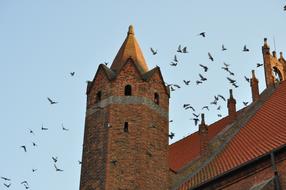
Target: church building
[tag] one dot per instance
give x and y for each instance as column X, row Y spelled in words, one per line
column 126, row 137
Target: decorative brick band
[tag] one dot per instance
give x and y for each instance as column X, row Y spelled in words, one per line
column 125, row 100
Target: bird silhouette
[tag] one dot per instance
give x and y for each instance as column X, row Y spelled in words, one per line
column 235, row 85
column 245, row 103
column 210, row 56
column 177, row 86
column 44, row 128
column 231, row 73
column 218, row 108
column 34, row 144
column 219, row 115
column 6, row 179
column 204, row 67
column 55, row 159
column 25, row 183
column 202, row 77
column 203, row 34
column 222, row 97
column 231, row 80
column 72, row 73
column 79, row 162
column 171, row 121
column 285, row 8
column 247, row 79
column 190, row 107
column 206, row 107
column 154, row 52
column 187, row 82
column 198, row 82
column 171, row 135
column 179, row 50
column 33, row 170
column 106, row 63
column 245, row 49
column 184, row 50
column 196, row 120
column 259, row 64
column 65, row 129
column 7, row 185
column 51, row 101
column 24, row 148
column 223, row 48
column 173, row 64
column 226, row 65
column 57, row 169
column 175, row 58
column 196, row 115
column 31, row 131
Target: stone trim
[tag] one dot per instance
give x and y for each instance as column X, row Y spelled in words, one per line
column 125, row 100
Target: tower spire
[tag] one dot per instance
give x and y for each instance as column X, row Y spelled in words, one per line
column 130, row 49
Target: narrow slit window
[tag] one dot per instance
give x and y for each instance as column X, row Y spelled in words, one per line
column 98, row 96
column 125, row 127
column 128, row 90
column 156, row 98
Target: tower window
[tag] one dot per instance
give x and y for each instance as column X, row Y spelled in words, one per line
column 156, row 98
column 98, row 96
column 128, row 90
column 125, row 127
column 277, row 74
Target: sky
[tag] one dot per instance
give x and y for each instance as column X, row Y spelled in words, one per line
column 41, row 42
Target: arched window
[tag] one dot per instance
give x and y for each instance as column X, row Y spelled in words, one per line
column 125, row 127
column 128, row 90
column 156, row 98
column 98, row 96
column 277, row 74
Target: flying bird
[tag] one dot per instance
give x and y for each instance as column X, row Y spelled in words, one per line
column 55, row 159
column 226, row 65
column 235, row 85
column 24, row 148
column 173, row 64
column 204, row 67
column 6, row 179
column 33, row 170
column 247, row 79
column 231, row 73
column 285, row 8
column 187, row 82
column 57, row 169
column 231, row 80
column 196, row 115
column 223, row 48
column 44, row 128
column 259, row 64
column 65, row 129
column 177, row 86
column 79, row 162
column 210, row 56
column 203, row 34
column 72, row 73
column 31, row 131
column 34, row 144
column 206, row 107
column 219, row 115
column 245, row 49
column 175, row 58
column 51, row 101
column 196, row 120
column 154, row 52
column 7, row 185
column 171, row 135
column 202, row 77
column 184, row 50
column 198, row 82
column 218, row 108
column 179, row 50
column 223, row 98
column 245, row 103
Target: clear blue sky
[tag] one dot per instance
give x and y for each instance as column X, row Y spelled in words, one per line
column 41, row 42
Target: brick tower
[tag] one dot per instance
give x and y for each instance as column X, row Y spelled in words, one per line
column 126, row 125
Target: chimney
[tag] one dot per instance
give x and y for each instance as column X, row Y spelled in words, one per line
column 254, row 87
column 203, row 132
column 231, row 105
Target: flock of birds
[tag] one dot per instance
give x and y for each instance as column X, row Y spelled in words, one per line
column 7, row 182
column 202, row 77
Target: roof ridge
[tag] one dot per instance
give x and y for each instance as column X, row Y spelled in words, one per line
column 218, row 143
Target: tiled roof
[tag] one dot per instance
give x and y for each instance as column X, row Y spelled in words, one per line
column 265, row 131
column 187, row 149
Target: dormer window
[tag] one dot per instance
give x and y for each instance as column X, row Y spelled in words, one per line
column 98, row 96
column 128, row 90
column 156, row 98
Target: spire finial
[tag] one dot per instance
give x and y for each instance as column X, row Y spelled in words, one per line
column 203, row 119
column 253, row 74
column 130, row 30
column 230, row 94
column 265, row 43
column 281, row 54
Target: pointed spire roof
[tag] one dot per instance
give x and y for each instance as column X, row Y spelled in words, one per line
column 130, row 49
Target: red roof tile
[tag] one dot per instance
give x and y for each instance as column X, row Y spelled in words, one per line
column 265, row 131
column 188, row 149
